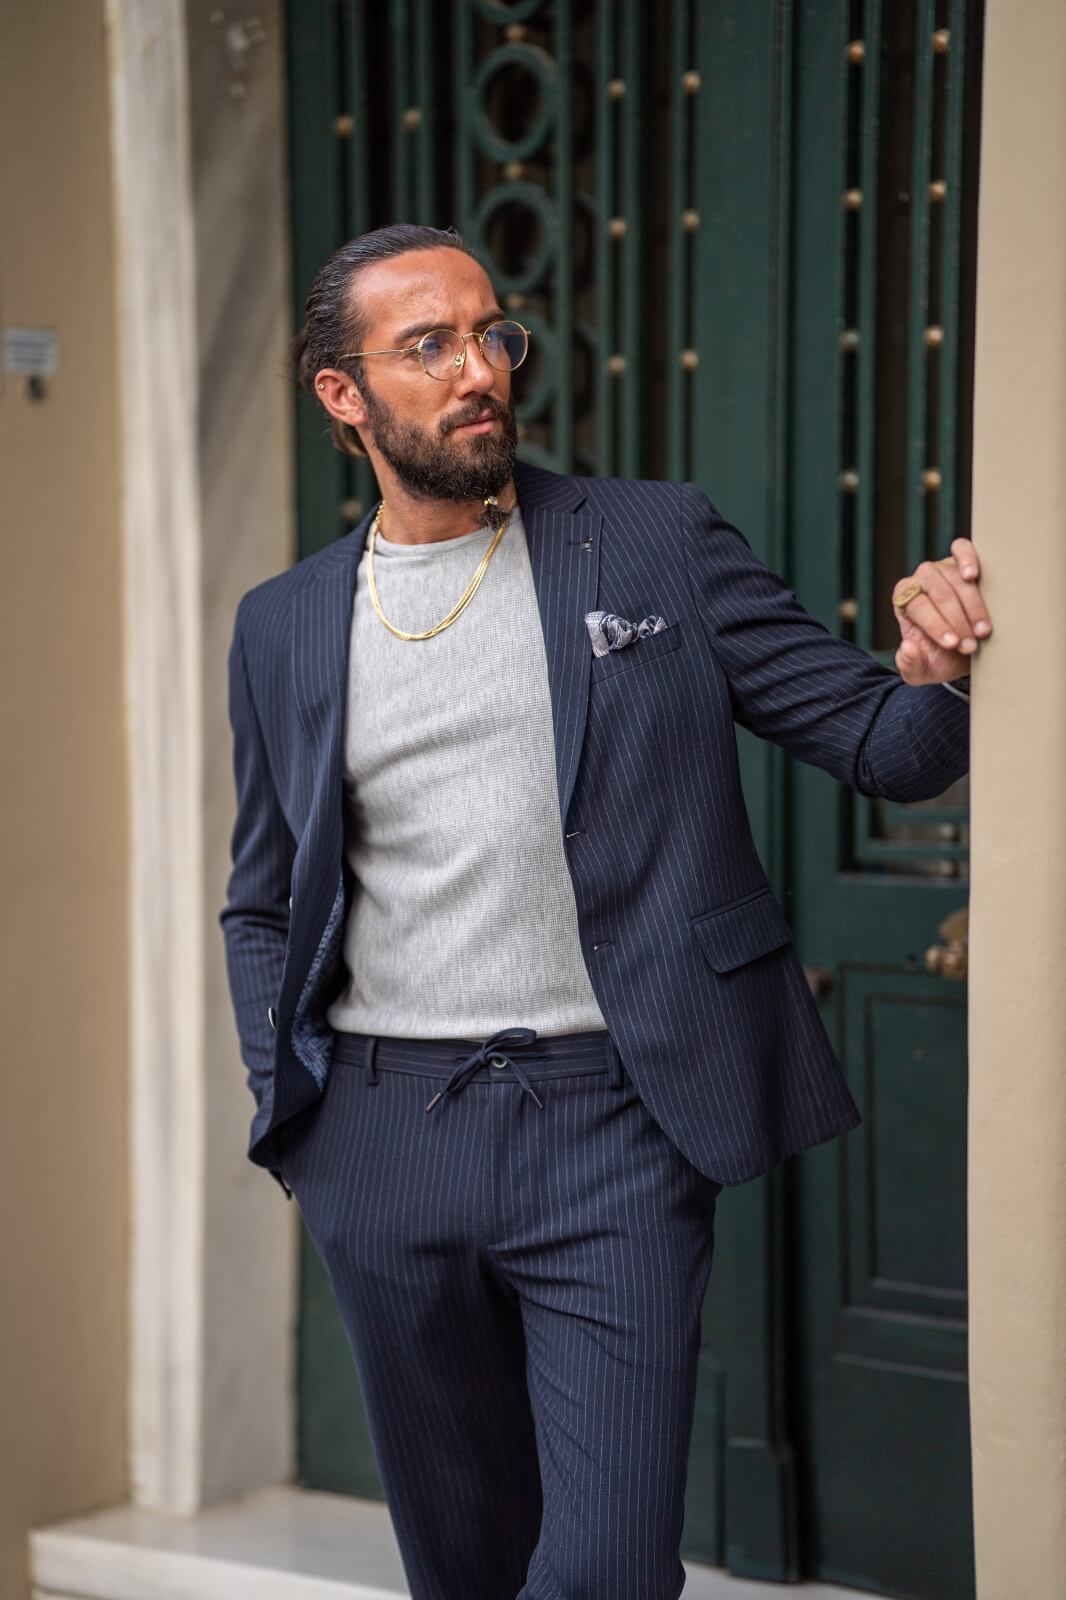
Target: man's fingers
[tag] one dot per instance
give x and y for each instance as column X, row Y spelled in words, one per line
column 918, row 660
column 966, row 555
column 938, row 611
column 967, row 594
column 949, row 610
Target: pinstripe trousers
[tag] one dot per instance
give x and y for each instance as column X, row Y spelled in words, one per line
column 520, row 1270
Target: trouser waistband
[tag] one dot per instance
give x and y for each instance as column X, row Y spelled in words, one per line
column 516, row 1051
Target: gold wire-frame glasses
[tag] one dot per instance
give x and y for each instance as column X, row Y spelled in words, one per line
column 442, row 351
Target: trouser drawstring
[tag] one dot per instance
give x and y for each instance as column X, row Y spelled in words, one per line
column 494, row 1046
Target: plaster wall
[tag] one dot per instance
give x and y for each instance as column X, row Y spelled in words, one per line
column 1017, row 1103
column 65, row 841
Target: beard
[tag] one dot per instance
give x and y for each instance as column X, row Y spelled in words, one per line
column 434, row 466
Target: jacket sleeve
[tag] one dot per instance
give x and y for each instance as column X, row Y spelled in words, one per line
column 821, row 698
column 255, row 918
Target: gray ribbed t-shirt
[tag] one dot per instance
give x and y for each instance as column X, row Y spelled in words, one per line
column 463, row 918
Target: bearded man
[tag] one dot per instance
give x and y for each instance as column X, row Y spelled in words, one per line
column 514, row 995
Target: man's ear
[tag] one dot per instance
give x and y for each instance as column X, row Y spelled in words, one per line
column 340, row 397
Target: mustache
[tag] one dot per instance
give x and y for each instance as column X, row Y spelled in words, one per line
column 472, row 412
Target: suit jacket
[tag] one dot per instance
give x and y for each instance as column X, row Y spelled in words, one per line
column 688, row 952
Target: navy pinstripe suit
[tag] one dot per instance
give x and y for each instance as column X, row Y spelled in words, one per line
column 687, row 950
column 727, row 1067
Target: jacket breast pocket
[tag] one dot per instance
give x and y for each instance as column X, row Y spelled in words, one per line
column 735, row 934
column 639, row 653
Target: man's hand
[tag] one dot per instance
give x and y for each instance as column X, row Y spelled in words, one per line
column 942, row 626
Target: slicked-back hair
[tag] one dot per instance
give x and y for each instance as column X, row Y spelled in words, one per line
column 333, row 318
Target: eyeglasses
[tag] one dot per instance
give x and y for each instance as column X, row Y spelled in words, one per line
column 442, row 352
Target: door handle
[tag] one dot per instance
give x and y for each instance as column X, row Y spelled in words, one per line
column 951, row 959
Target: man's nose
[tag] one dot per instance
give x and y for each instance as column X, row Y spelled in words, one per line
column 476, row 376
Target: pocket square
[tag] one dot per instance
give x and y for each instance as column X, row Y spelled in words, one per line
column 609, row 631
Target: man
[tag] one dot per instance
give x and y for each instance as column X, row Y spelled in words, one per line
column 513, row 992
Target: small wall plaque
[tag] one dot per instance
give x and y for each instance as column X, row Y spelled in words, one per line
column 31, row 352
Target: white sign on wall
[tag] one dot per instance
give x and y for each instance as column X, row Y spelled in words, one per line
column 31, row 352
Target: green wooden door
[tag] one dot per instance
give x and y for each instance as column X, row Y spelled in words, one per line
column 886, row 139
column 659, row 191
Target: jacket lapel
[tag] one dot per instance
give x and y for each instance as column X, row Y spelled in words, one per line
column 563, row 538
column 321, row 634
column 322, row 616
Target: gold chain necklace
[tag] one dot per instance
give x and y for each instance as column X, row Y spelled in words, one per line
column 460, row 606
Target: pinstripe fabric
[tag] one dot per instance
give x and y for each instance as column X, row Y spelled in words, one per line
column 523, row 1309
column 687, row 951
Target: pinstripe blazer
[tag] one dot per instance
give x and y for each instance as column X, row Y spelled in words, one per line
column 687, row 949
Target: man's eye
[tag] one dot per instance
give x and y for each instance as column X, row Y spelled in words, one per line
column 432, row 347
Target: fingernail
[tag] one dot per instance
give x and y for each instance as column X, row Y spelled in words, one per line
column 969, row 572
column 950, row 639
column 982, row 628
column 968, row 645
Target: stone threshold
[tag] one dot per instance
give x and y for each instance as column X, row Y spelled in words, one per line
column 281, row 1543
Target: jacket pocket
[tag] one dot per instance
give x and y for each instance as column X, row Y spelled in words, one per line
column 638, row 653
column 735, row 934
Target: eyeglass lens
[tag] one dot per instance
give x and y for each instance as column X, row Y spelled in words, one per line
column 504, row 345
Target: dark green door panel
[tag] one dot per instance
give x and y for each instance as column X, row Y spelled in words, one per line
column 881, row 388
column 884, row 1357
column 732, row 128
column 333, row 1439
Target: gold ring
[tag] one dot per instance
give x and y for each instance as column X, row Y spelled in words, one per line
column 909, row 592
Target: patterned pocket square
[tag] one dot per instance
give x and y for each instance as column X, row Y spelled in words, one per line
column 608, row 631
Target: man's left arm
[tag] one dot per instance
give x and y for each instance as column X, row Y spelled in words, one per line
column 826, row 701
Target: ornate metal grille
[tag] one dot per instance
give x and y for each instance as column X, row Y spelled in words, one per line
column 523, row 125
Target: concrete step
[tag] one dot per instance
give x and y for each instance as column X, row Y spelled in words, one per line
column 281, row 1543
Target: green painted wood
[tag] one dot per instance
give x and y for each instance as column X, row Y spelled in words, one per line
column 605, row 386
column 359, row 480
column 877, row 1246
column 638, row 329
column 961, row 91
column 417, row 64
column 328, row 202
column 401, row 64
column 705, row 1491
column 315, row 163
column 681, row 188
column 619, row 331
column 921, row 503
column 564, row 283
column 738, row 281
column 334, row 1448
column 863, row 84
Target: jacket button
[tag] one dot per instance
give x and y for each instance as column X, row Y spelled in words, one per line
column 290, row 902
column 272, row 1018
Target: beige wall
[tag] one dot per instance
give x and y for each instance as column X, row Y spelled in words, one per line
column 64, row 845
column 1017, row 1172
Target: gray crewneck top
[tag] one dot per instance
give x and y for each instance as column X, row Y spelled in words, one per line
column 463, row 918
